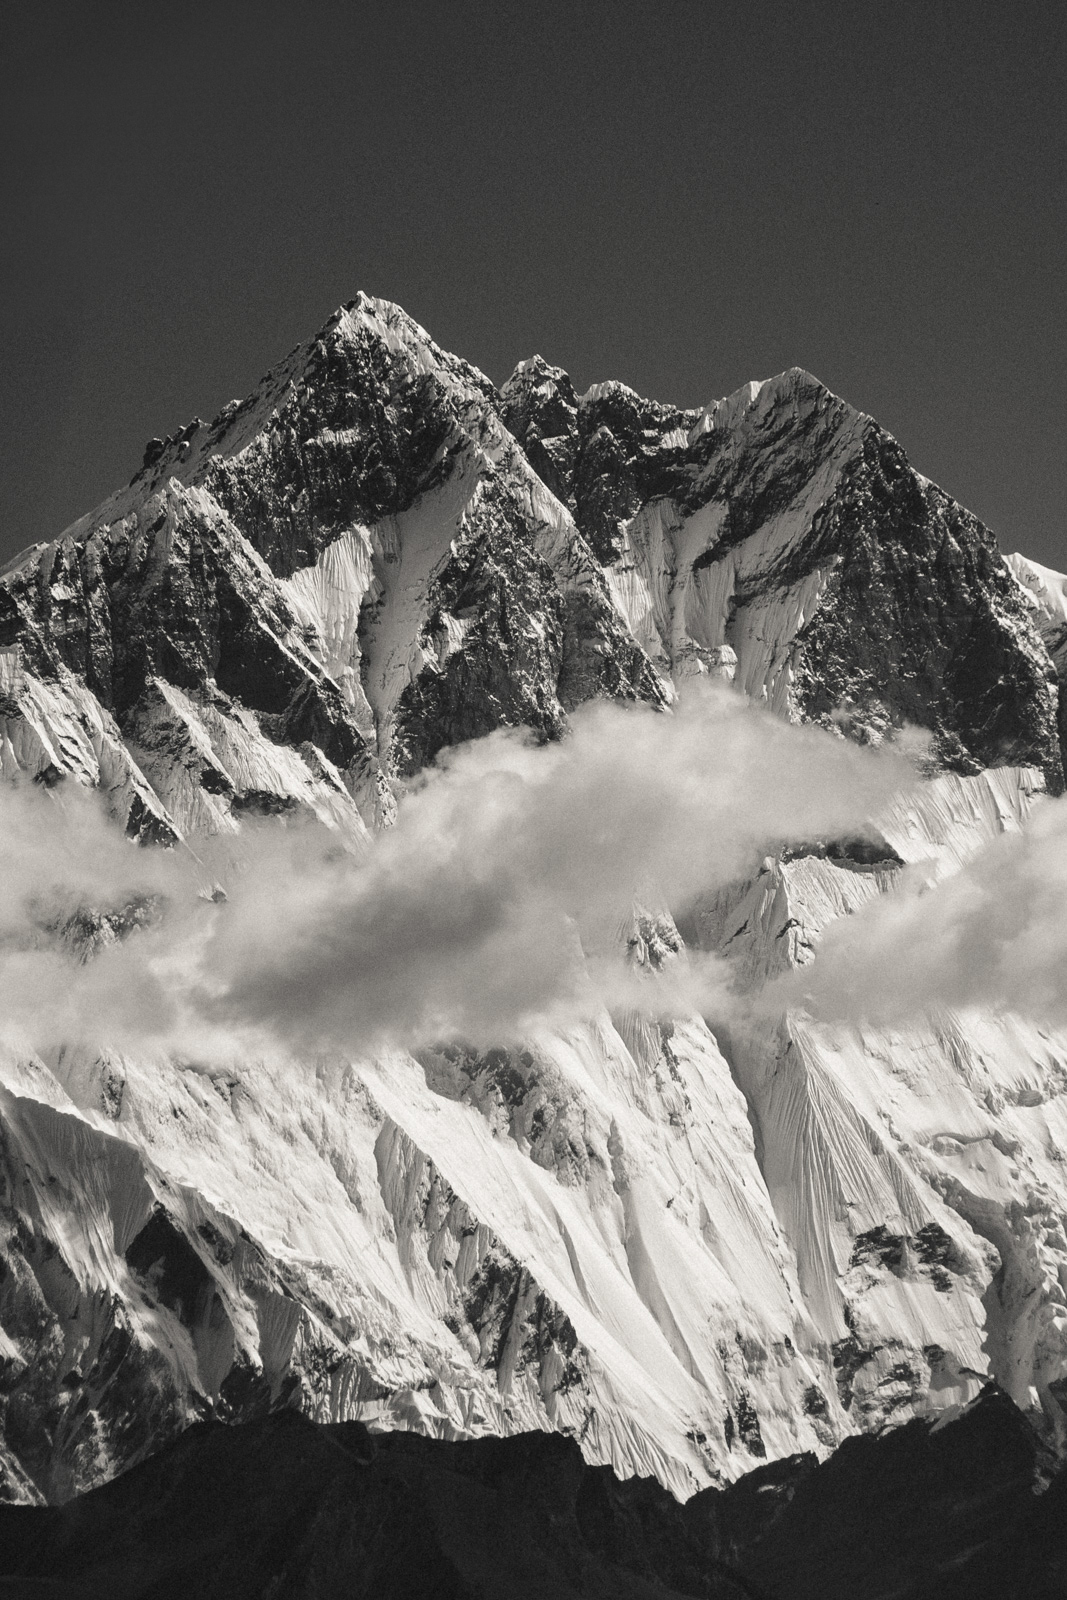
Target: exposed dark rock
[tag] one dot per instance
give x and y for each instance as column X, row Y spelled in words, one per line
column 507, row 670
column 358, row 438
column 280, row 1506
column 623, row 461
column 539, row 406
column 162, row 1258
column 923, row 619
column 879, row 1245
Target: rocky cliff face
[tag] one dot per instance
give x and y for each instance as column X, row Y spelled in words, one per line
column 689, row 1252
column 784, row 527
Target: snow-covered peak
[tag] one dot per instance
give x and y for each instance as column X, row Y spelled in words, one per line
column 755, row 399
column 534, row 370
column 397, row 331
column 611, row 388
column 540, row 396
column 361, row 370
column 1045, row 594
column 725, row 413
column 682, row 1259
column 1045, row 589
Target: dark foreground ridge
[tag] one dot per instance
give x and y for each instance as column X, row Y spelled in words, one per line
column 284, row 1508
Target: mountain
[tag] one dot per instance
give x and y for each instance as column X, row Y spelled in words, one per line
column 960, row 1512
column 690, row 1249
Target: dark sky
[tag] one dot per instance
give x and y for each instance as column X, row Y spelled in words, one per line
column 681, row 195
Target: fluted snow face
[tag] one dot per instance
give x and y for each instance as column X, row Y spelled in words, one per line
column 917, row 1170
column 577, row 1236
column 689, row 1250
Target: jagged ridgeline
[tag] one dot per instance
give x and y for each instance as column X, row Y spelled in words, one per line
column 920, row 1513
column 688, row 1252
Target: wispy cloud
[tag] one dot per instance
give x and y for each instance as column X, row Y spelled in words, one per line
column 994, row 934
column 492, row 905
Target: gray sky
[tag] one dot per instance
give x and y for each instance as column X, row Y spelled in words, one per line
column 681, row 195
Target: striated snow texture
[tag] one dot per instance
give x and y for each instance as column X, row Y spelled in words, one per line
column 689, row 1247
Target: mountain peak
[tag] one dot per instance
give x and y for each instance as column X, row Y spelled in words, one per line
column 371, row 379
column 292, row 611
column 535, row 369
column 756, row 399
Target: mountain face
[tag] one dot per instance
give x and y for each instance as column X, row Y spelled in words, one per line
column 688, row 1251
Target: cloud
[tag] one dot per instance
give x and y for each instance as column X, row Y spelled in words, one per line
column 73, row 889
column 494, row 904
column 994, row 934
